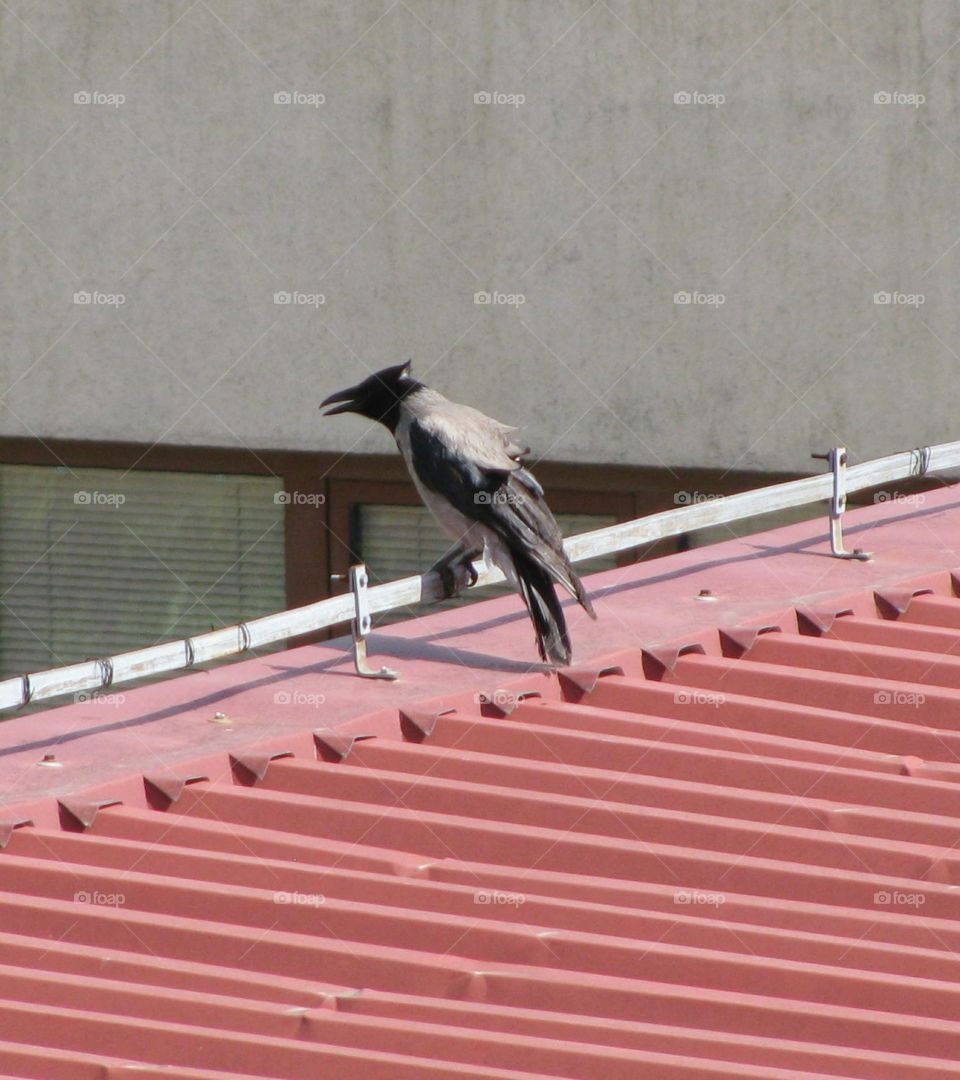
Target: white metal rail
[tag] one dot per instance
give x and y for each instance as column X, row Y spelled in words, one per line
column 97, row 675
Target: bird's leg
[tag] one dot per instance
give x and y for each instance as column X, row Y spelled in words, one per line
column 456, row 570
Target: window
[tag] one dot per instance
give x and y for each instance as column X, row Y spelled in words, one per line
column 98, row 561
column 209, row 536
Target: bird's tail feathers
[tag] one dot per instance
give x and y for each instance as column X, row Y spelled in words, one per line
column 581, row 596
column 536, row 588
column 558, row 566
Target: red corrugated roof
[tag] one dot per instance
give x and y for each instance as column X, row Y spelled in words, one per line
column 724, row 849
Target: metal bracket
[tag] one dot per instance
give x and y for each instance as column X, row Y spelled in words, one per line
column 837, row 459
column 359, row 582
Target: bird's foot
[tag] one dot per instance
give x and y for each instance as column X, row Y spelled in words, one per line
column 456, row 572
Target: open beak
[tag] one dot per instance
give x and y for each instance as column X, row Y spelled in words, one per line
column 347, row 397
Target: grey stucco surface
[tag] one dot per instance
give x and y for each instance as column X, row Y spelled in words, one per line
column 400, row 196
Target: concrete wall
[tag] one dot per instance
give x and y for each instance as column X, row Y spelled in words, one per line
column 783, row 186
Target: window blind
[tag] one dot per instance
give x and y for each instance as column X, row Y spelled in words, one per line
column 98, row 561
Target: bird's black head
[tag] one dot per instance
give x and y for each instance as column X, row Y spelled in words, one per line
column 377, row 397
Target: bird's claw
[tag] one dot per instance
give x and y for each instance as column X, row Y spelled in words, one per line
column 456, row 573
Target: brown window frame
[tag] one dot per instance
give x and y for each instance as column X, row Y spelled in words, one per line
column 304, row 525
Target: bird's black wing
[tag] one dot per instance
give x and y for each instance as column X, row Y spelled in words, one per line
column 510, row 502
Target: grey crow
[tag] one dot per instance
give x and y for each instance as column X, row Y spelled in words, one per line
column 471, row 476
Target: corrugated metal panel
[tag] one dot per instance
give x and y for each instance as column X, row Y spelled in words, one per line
column 735, row 862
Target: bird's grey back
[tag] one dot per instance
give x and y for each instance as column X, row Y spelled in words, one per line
column 465, row 431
